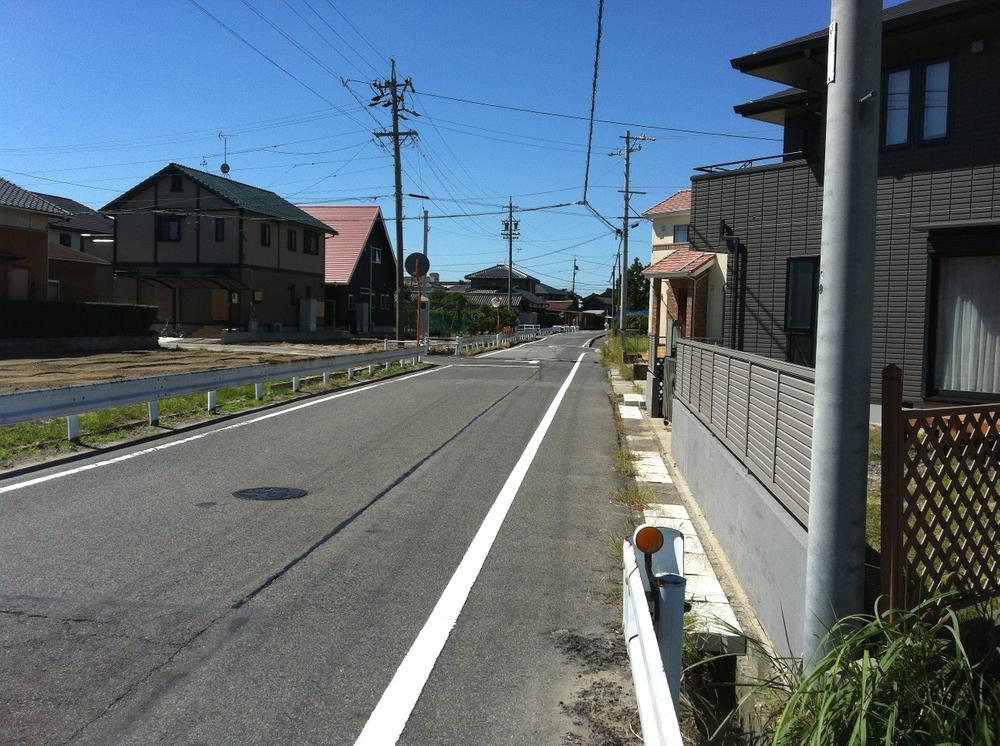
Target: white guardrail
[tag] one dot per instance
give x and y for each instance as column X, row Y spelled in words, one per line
column 654, row 635
column 71, row 401
column 486, row 341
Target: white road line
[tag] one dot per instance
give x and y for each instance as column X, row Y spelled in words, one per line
column 492, row 365
column 205, row 434
column 386, row 723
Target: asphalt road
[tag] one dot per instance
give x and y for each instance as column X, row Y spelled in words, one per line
column 141, row 602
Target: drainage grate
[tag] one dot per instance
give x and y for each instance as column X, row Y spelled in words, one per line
column 270, row 493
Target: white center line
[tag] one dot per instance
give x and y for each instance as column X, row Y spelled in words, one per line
column 386, row 723
column 199, row 436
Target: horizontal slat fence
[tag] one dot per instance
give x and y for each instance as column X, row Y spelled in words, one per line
column 940, row 500
column 762, row 409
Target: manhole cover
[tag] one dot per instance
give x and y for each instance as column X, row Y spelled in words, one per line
column 270, row 493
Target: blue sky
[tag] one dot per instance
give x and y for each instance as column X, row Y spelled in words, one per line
column 101, row 94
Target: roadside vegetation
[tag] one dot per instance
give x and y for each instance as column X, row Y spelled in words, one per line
column 32, row 442
column 907, row 677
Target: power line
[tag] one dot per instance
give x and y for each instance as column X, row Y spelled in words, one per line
column 593, row 98
column 283, row 69
column 577, row 117
column 384, row 57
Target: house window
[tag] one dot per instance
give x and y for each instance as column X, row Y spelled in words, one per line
column 65, row 239
column 924, row 86
column 801, row 293
column 967, row 334
column 220, row 229
column 176, row 183
column 681, row 233
column 292, row 238
column 310, row 242
column 935, row 125
column 897, row 108
column 350, row 302
column 168, row 227
column 265, row 234
column 376, row 255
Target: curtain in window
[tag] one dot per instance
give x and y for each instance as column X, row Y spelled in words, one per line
column 968, row 325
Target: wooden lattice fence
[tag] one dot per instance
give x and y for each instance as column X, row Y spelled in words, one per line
column 940, row 493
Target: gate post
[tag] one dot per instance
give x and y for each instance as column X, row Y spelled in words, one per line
column 892, row 486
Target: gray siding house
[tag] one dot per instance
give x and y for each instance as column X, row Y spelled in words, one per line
column 211, row 252
column 937, row 263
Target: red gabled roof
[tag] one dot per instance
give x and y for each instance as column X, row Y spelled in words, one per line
column 559, row 305
column 679, row 262
column 354, row 224
column 676, row 202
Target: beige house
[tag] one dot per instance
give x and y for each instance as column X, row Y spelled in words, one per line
column 686, row 286
column 24, row 263
column 215, row 253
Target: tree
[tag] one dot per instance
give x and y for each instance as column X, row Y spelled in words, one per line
column 638, row 286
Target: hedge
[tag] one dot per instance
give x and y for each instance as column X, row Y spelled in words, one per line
column 39, row 319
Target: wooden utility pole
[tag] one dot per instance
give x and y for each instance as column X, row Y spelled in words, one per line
column 391, row 92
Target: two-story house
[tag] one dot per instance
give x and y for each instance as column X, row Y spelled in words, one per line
column 360, row 269
column 937, row 256
column 24, row 256
column 80, row 251
column 213, row 252
column 686, row 285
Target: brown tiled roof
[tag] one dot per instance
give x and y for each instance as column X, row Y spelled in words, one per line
column 11, row 195
column 676, row 202
column 354, row 224
column 60, row 253
column 559, row 305
column 680, row 262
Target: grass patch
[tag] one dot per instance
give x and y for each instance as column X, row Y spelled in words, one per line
column 625, row 463
column 29, row 442
column 633, row 497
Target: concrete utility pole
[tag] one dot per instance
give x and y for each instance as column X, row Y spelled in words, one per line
column 632, row 145
column 837, row 488
column 427, row 230
column 510, row 231
column 395, row 92
column 575, row 268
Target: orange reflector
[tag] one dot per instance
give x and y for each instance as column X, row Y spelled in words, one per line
column 648, row 539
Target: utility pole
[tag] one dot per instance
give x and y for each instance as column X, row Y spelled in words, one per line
column 836, row 541
column 510, row 230
column 632, row 145
column 395, row 91
column 427, row 230
column 575, row 268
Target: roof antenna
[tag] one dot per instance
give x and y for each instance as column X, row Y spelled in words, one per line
column 204, row 162
column 225, row 155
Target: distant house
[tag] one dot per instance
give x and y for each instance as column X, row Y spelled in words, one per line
column 686, row 287
column 492, row 281
column 214, row 252
column 24, row 242
column 360, row 269
column 82, row 228
column 80, row 252
column 597, row 301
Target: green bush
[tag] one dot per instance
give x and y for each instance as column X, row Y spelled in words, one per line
column 636, row 321
column 36, row 319
column 903, row 677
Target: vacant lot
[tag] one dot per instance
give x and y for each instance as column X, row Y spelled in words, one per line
column 64, row 370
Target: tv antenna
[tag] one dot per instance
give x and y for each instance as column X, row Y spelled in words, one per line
column 225, row 154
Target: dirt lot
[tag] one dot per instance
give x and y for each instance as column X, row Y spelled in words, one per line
column 48, row 372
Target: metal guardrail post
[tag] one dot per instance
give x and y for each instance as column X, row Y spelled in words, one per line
column 371, row 370
column 296, row 383
column 153, row 408
column 458, row 346
column 326, row 378
column 73, row 428
column 258, row 391
column 350, row 374
column 210, row 400
column 670, row 629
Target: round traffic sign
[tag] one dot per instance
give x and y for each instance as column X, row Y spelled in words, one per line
column 496, row 301
column 417, row 264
